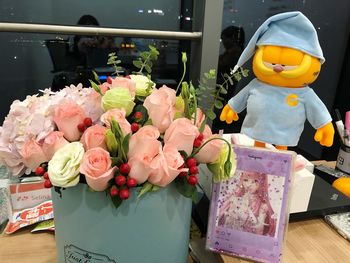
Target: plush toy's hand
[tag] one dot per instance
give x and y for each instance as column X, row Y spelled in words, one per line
column 228, row 115
column 325, row 135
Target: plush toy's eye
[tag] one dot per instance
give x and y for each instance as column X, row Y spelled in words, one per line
column 269, row 65
column 289, row 67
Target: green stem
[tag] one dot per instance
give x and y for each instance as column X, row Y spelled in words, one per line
column 144, row 63
column 182, row 78
column 216, row 138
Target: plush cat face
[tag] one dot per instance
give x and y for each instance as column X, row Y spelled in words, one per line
column 284, row 66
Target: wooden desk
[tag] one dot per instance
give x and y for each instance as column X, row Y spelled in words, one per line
column 307, row 241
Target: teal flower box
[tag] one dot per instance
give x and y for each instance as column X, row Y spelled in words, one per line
column 153, row 229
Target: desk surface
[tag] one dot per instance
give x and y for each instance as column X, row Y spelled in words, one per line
column 306, row 241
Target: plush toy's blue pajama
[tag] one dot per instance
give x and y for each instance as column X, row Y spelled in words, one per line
column 277, row 115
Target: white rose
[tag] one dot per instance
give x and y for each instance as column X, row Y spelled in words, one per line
column 144, row 86
column 64, row 166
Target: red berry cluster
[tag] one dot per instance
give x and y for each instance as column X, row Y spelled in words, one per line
column 87, row 122
column 198, row 141
column 135, row 126
column 123, row 183
column 191, row 163
column 41, row 171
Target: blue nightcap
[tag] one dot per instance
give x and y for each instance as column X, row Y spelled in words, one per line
column 290, row 29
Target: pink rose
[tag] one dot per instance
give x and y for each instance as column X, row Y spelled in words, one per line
column 207, row 132
column 96, row 166
column 140, row 168
column 104, row 87
column 143, row 147
column 211, row 151
column 32, row 154
column 93, row 137
column 52, row 143
column 165, row 166
column 181, row 133
column 126, row 83
column 144, row 143
column 119, row 116
column 161, row 107
column 67, row 116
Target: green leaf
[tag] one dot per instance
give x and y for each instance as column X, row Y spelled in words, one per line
column 223, row 90
column 148, row 122
column 116, row 161
column 116, row 201
column 184, row 154
column 144, row 55
column 116, row 129
column 228, row 168
column 111, row 142
column 96, row 87
column 96, row 77
column 218, row 104
column 148, row 68
column 155, row 188
column 184, row 187
column 142, row 109
column 111, row 54
column 147, row 187
column 237, row 76
column 245, row 72
column 137, row 63
column 210, row 114
column 125, row 143
column 201, row 128
column 195, row 197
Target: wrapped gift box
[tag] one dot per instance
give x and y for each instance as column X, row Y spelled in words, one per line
column 28, row 194
column 153, row 229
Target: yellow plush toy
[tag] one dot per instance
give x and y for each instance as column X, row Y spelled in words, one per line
column 287, row 58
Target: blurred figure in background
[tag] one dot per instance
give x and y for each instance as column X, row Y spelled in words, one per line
column 84, row 45
column 232, row 38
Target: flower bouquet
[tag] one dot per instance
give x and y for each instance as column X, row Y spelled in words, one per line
column 112, row 143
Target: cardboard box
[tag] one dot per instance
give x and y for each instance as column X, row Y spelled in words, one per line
column 29, row 194
column 301, row 191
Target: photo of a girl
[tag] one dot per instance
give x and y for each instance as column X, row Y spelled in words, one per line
column 247, row 208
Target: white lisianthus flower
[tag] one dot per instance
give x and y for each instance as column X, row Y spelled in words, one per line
column 144, row 86
column 64, row 166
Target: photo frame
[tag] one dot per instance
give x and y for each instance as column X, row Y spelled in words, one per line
column 249, row 211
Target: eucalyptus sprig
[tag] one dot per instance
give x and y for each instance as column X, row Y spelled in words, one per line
column 114, row 61
column 207, row 88
column 146, row 59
